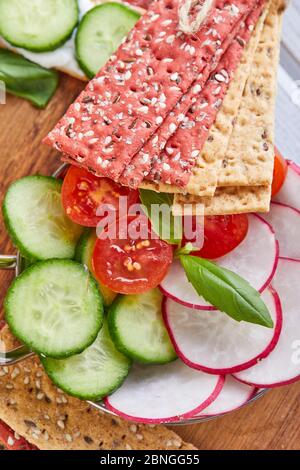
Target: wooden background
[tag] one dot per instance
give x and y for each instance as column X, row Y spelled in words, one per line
column 273, row 421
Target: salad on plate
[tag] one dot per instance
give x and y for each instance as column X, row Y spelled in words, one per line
column 134, row 322
column 160, row 265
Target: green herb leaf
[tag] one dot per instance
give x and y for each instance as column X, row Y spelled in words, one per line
column 226, row 290
column 185, row 250
column 26, row 79
column 165, row 225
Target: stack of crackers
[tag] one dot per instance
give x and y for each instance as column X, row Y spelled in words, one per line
column 238, row 156
column 189, row 115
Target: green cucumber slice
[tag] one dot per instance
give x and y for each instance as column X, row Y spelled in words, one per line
column 85, row 247
column 93, row 374
column 84, row 253
column 137, row 328
column 36, row 221
column 100, row 33
column 55, row 308
column 37, row 25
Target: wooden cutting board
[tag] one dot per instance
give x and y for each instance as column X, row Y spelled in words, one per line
column 270, row 423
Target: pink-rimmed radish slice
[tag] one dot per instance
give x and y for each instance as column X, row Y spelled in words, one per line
column 164, row 394
column 234, row 395
column 285, row 220
column 282, row 366
column 255, row 259
column 289, row 193
column 215, row 343
column 177, row 287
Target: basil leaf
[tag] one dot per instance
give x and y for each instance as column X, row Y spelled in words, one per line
column 185, row 250
column 26, row 79
column 226, row 290
column 165, row 225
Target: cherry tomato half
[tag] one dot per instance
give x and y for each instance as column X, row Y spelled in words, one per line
column 83, row 193
column 280, row 171
column 222, row 234
column 131, row 266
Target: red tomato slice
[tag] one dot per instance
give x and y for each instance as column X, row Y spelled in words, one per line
column 222, row 234
column 280, row 171
column 130, row 266
column 83, row 193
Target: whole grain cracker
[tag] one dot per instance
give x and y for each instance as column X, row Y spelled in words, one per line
column 244, row 199
column 228, row 201
column 234, row 200
column 250, row 156
column 35, row 409
column 203, row 181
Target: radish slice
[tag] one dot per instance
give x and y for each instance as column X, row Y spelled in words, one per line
column 217, row 344
column 255, row 259
column 289, row 193
column 164, row 394
column 233, row 395
column 285, row 220
column 283, row 364
column 177, row 287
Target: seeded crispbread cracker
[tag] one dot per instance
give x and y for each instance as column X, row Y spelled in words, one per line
column 228, row 201
column 201, row 98
column 249, row 159
column 175, row 163
column 203, row 181
column 238, row 199
column 104, row 128
column 33, row 407
column 11, row 440
column 139, row 3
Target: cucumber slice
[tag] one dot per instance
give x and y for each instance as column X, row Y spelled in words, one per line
column 93, row 374
column 100, row 33
column 137, row 329
column 85, row 247
column 37, row 25
column 84, row 253
column 55, row 308
column 36, row 221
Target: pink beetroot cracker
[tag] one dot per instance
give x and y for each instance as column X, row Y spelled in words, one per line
column 175, row 163
column 142, row 162
column 140, row 3
column 11, row 440
column 131, row 96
